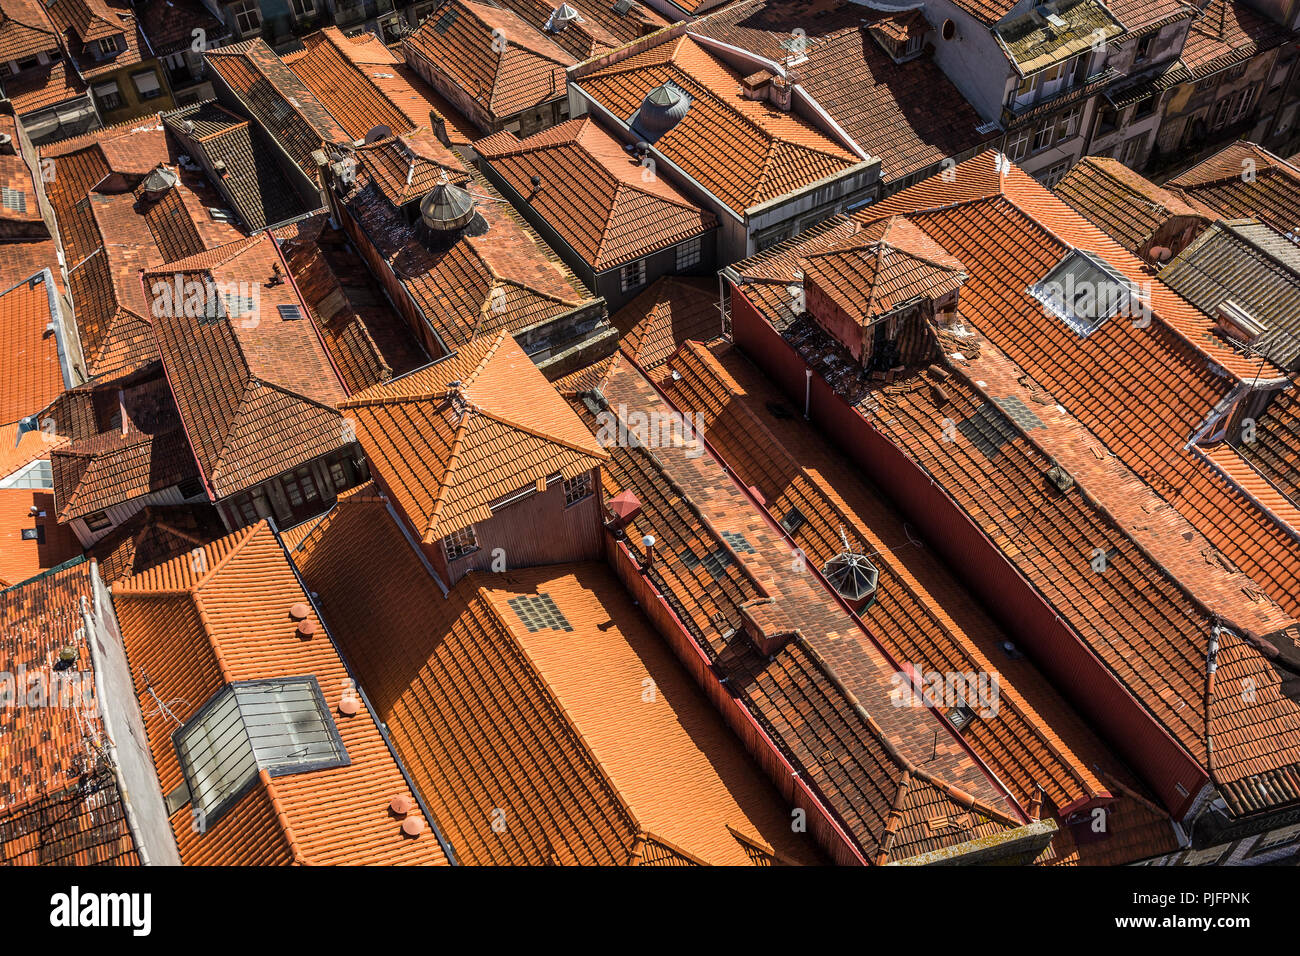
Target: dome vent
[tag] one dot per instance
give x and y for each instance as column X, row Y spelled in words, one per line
column 852, row 575
column 663, row 108
column 157, row 183
column 561, row 17
column 446, row 209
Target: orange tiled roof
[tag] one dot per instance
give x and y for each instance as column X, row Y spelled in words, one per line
column 672, row 310
column 25, row 30
column 255, row 387
column 496, row 274
column 1226, row 32
column 551, row 753
column 281, row 102
column 154, row 535
column 1240, row 472
column 447, row 453
column 907, row 114
column 593, row 194
column 600, row 26
column 886, row 265
column 895, row 788
column 745, row 152
column 1275, row 453
column 112, row 468
column 1272, row 196
column 1121, row 366
column 58, row 803
column 30, row 366
column 1162, row 659
column 922, row 612
column 23, row 509
column 521, row 69
column 365, row 86
column 1125, row 205
column 43, row 86
column 194, row 626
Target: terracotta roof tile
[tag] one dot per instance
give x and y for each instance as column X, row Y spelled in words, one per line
column 593, row 194
column 672, row 310
column 30, row 365
column 26, row 509
column 908, row 114
column 1125, row 205
column 154, row 535
column 600, row 26
column 170, row 25
column 743, row 151
column 58, row 806
column 42, row 86
column 1273, row 196
column 112, row 469
column 193, row 627
column 523, row 69
column 448, row 453
column 1275, row 452
column 255, row 389
column 25, row 30
column 1226, row 32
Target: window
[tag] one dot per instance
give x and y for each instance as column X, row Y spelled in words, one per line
column 106, row 46
column 303, row 8
column 688, row 253
column 300, row 487
column 794, row 520
column 1143, row 49
column 1146, row 107
column 146, row 84
column 248, row 17
column 1221, row 111
column 1107, row 120
column 1017, row 145
column 282, row 726
column 577, row 489
column 27, row 62
column 289, row 313
column 632, row 275
column 1043, row 137
column 1132, row 151
column 1067, row 124
column 14, row 199
column 1054, row 174
column 1245, row 100
column 108, row 96
column 538, row 612
column 460, row 543
column 253, row 506
column 98, row 521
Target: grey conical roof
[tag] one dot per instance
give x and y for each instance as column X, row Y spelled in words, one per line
column 662, row 109
column 446, row 208
column 852, row 575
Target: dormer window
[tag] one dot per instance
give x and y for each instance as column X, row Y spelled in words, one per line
column 248, row 17
column 106, row 47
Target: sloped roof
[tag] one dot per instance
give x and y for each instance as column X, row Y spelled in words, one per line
column 1227, row 32
column 255, row 389
column 923, row 611
column 887, row 264
column 281, row 102
column 364, row 86
column 1272, row 195
column 194, row 626
column 112, row 468
column 745, row 152
column 1275, row 453
column 496, row 275
column 1032, row 42
column 1125, row 205
column 44, row 85
column 27, row 509
column 153, row 535
column 1245, row 262
column 252, row 179
column 552, row 751
column 670, row 311
column 600, row 26
column 170, row 25
column 25, row 30
column 91, row 19
column 48, row 751
column 522, row 68
column 447, row 453
column 593, row 194
column 30, row 369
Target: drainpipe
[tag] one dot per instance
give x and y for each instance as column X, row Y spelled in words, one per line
column 807, row 393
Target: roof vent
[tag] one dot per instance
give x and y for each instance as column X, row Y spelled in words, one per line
column 561, row 17
column 1235, row 322
column 446, row 210
column 1060, row 478
column 6, row 144
column 158, row 182
column 377, row 133
column 852, row 575
column 662, row 109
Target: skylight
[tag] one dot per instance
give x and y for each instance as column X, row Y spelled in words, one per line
column 1083, row 291
column 281, row 726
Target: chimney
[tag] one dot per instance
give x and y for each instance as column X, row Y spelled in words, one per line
column 439, row 127
column 780, row 93
column 648, row 543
